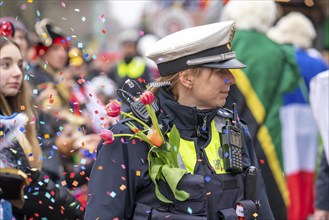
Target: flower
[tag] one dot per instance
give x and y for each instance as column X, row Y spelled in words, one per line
column 113, row 108
column 154, row 137
column 163, row 153
column 107, row 136
column 147, row 97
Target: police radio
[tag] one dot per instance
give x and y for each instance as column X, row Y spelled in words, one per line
column 231, row 139
column 129, row 94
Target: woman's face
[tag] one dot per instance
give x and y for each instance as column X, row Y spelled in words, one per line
column 209, row 89
column 11, row 75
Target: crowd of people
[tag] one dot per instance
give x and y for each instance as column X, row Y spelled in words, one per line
column 59, row 161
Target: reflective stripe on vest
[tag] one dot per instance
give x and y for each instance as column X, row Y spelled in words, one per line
column 132, row 70
column 188, row 153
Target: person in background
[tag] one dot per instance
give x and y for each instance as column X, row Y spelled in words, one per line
column 24, row 153
column 195, row 79
column 52, row 92
column 131, row 65
column 83, row 98
column 21, row 37
column 271, row 71
column 299, row 129
column 319, row 96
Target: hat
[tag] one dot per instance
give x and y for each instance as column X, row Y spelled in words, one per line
column 250, row 15
column 18, row 25
column 201, row 46
column 7, row 29
column 293, row 28
column 128, row 36
column 48, row 32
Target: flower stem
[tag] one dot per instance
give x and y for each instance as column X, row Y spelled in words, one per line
column 136, row 119
column 154, row 120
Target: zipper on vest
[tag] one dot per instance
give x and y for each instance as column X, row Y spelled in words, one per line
column 204, row 127
column 202, row 158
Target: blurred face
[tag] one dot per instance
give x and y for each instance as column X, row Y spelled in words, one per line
column 56, row 56
column 209, row 89
column 21, row 40
column 128, row 49
column 11, row 75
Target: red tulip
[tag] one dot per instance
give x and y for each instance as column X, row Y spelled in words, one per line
column 113, row 109
column 107, row 136
column 147, row 97
column 6, row 29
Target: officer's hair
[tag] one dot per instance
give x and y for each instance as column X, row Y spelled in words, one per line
column 171, row 79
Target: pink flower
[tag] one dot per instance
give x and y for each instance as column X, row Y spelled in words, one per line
column 147, row 97
column 107, row 136
column 113, row 109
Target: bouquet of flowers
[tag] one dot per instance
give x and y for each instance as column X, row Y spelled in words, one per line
column 162, row 156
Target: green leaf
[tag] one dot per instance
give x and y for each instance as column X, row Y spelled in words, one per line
column 172, row 177
column 160, row 196
column 155, row 172
column 174, row 141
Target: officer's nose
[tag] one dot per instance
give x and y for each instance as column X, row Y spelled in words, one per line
column 230, row 79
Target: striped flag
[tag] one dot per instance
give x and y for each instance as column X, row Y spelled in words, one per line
column 300, row 137
column 271, row 71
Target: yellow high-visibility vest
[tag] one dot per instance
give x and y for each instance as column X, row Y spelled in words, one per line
column 133, row 70
column 187, row 151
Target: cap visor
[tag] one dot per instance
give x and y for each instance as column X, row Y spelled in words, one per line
column 228, row 64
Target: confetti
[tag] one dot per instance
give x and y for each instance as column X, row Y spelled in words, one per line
column 100, row 167
column 80, row 45
column 23, row 7
column 77, row 10
column 63, row 4
column 138, row 173
column 75, row 183
column 83, row 19
column 189, row 210
column 103, row 31
column 123, row 187
column 38, row 13
column 30, row 1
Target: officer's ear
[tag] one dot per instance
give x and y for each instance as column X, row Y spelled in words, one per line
column 187, row 78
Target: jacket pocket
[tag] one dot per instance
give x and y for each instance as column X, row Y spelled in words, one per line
column 226, row 190
column 145, row 212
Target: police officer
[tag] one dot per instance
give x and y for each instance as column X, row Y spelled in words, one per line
column 131, row 66
column 222, row 179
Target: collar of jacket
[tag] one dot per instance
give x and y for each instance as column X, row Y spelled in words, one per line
column 190, row 121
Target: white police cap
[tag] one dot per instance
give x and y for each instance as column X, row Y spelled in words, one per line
column 205, row 46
